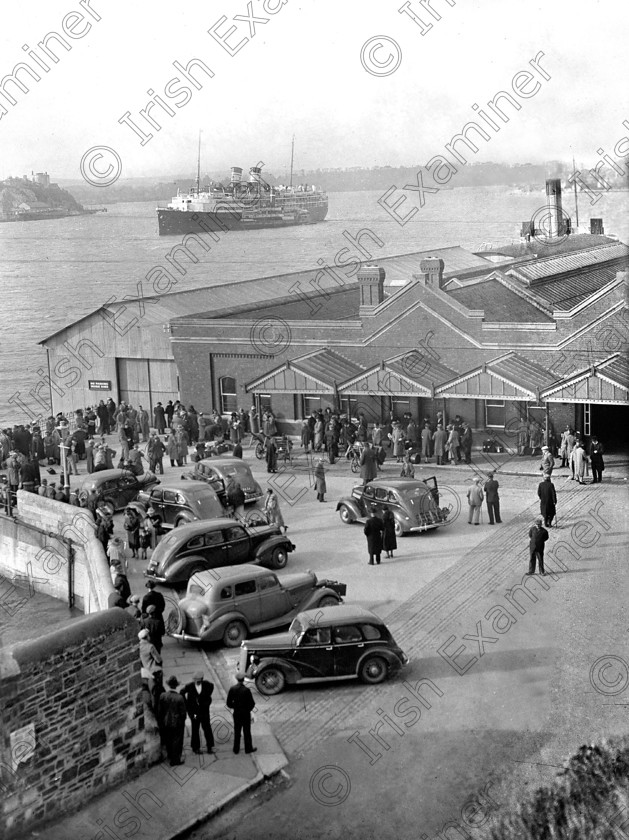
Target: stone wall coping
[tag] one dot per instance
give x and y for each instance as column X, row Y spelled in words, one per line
column 76, row 631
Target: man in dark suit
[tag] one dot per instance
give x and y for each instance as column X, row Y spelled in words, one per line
column 548, row 500
column 240, row 701
column 171, row 716
column 153, row 597
column 492, row 498
column 373, row 531
column 198, row 697
column 537, row 537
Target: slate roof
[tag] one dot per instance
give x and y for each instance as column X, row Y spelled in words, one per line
column 521, row 371
column 537, row 248
column 499, row 303
column 326, row 365
column 567, row 292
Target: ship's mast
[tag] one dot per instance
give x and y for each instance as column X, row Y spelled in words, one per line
column 292, row 155
column 576, row 200
column 199, row 165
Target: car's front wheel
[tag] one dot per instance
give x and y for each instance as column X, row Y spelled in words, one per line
column 235, row 633
column 399, row 531
column 328, row 601
column 181, row 520
column 175, row 621
column 279, row 558
column 271, row 681
column 346, row 515
column 374, row 670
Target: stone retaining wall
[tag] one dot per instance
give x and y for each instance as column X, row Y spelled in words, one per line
column 72, row 720
column 47, row 544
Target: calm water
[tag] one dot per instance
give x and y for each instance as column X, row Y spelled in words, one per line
column 53, row 272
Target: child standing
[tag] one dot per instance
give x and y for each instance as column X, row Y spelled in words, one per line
column 145, row 540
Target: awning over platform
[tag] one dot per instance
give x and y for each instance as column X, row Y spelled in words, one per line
column 605, row 382
column 508, row 377
column 411, row 373
column 318, row 372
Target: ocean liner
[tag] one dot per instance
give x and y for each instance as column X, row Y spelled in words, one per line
column 242, row 205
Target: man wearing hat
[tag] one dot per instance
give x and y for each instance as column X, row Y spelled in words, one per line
column 475, row 500
column 240, row 701
column 154, row 623
column 548, row 462
column 198, row 697
column 133, row 608
column 537, row 537
column 548, row 500
column 492, row 498
column 151, row 662
column 171, row 716
column 43, row 487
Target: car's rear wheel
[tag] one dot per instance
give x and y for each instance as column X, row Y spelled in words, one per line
column 271, row 681
column 108, row 506
column 399, row 531
column 181, row 520
column 346, row 515
column 234, row 634
column 374, row 670
column 329, row 601
column 279, row 558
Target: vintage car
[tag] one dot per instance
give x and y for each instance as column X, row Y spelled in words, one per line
column 214, row 543
column 218, row 471
column 181, row 502
column 230, row 603
column 414, row 504
column 114, row 489
column 330, row 643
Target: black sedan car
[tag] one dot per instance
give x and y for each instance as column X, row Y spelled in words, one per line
column 414, row 504
column 114, row 489
column 214, row 543
column 181, row 502
column 329, row 643
column 218, row 472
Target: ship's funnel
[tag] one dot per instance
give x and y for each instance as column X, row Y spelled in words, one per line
column 555, row 220
column 255, row 175
column 236, row 174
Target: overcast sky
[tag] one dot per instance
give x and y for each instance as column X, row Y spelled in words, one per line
column 301, row 74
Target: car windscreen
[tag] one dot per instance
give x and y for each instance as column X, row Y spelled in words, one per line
column 418, row 498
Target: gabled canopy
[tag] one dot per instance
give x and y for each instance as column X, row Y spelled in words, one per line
column 411, row 373
column 315, row 373
column 603, row 382
column 508, row 377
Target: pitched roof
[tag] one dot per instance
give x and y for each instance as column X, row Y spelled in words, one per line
column 537, row 270
column 567, row 292
column 319, row 371
column 510, row 376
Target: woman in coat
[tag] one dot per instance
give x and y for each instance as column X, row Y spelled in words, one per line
column 397, row 441
column 305, row 435
column 319, row 479
column 318, row 433
column 272, row 510
column 172, row 447
column 452, row 445
column 368, row 464
column 181, row 436
column 389, row 541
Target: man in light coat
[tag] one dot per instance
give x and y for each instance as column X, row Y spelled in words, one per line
column 475, row 500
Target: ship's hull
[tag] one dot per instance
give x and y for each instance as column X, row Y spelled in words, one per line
column 177, row 222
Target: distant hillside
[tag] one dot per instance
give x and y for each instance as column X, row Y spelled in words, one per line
column 19, row 193
column 345, row 180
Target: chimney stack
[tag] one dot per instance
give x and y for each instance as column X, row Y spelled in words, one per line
column 371, row 282
column 431, row 272
column 555, row 212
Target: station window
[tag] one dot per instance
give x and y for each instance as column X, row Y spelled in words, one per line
column 495, row 414
column 311, row 404
column 400, row 407
column 264, row 403
column 229, row 398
